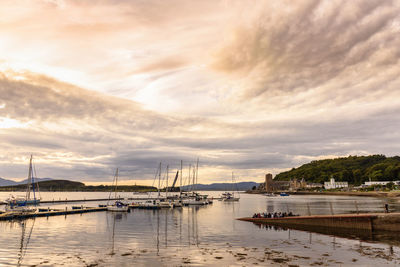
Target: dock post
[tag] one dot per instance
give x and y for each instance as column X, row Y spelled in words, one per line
column 330, row 206
column 356, row 204
column 308, row 209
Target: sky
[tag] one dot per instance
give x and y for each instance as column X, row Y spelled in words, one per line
column 250, row 87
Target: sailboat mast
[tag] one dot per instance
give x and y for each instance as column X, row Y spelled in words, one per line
column 166, row 189
column 189, row 181
column 197, row 170
column 28, row 183
column 33, row 184
column 159, row 180
column 194, row 179
column 232, row 186
column 116, row 182
column 180, row 186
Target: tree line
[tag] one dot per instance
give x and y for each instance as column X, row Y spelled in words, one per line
column 353, row 169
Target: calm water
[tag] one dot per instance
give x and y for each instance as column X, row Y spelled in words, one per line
column 192, row 236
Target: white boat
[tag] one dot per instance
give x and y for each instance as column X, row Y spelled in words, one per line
column 193, row 201
column 194, row 198
column 165, row 205
column 117, row 205
column 177, row 203
column 148, row 204
column 153, row 204
column 228, row 196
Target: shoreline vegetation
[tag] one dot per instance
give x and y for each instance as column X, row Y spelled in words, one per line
column 382, row 194
column 352, row 169
column 309, row 178
column 72, row 186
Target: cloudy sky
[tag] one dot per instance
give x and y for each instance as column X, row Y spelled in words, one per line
column 245, row 86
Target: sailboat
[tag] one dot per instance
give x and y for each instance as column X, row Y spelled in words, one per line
column 22, row 203
column 194, row 198
column 228, row 196
column 118, row 205
column 163, row 202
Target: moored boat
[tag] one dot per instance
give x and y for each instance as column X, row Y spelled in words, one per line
column 117, row 205
column 228, row 196
column 24, row 203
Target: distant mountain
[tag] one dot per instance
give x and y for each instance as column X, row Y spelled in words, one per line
column 242, row 186
column 5, row 182
column 69, row 186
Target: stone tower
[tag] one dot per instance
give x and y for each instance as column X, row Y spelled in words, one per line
column 268, row 183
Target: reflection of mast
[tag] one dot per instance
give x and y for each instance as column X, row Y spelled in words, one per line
column 196, row 227
column 23, row 245
column 166, row 229
column 188, row 227
column 113, row 237
column 192, row 225
column 180, row 227
column 158, row 231
column 21, row 248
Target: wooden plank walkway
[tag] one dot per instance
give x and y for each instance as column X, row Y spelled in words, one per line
column 57, row 201
column 24, row 215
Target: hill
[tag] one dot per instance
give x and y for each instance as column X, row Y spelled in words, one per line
column 6, row 182
column 66, row 185
column 353, row 169
column 242, row 186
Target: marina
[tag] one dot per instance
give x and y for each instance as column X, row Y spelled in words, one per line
column 206, row 235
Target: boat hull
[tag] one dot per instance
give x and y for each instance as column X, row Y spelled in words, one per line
column 116, row 208
column 231, row 199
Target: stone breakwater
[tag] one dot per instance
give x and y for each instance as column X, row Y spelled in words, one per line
column 366, row 221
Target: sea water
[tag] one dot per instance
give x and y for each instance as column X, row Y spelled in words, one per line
column 192, row 236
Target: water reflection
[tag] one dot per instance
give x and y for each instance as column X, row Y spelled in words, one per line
column 358, row 234
column 26, row 233
column 205, row 236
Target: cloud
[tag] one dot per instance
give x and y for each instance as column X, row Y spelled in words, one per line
column 252, row 88
column 312, row 45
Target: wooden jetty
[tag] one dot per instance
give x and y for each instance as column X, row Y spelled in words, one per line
column 71, row 200
column 365, row 221
column 45, row 213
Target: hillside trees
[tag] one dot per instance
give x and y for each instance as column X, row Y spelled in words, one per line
column 353, row 169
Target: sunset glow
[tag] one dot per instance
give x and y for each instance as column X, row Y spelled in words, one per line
column 245, row 86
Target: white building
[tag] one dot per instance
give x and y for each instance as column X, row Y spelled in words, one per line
column 381, row 183
column 332, row 184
